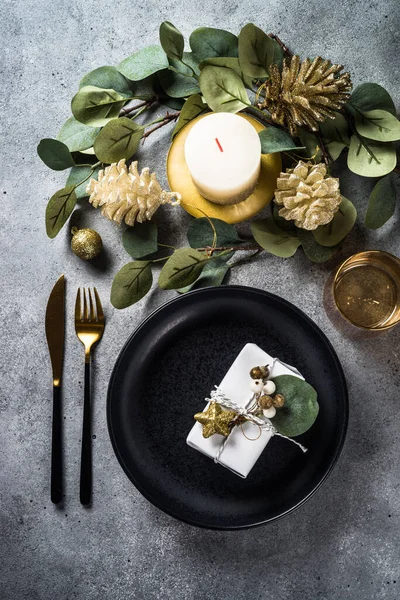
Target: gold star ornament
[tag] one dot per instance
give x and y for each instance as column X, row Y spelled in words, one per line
column 215, row 420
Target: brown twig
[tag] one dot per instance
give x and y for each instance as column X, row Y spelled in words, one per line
column 210, row 250
column 130, row 109
column 163, row 121
column 326, row 157
column 281, row 44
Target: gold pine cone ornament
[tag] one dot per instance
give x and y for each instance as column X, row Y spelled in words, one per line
column 124, row 193
column 309, row 196
column 305, row 93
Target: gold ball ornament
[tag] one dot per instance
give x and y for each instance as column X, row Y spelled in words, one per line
column 86, row 243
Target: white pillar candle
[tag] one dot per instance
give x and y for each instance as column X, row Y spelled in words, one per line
column 223, row 155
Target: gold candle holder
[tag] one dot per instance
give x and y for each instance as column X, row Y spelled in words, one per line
column 366, row 289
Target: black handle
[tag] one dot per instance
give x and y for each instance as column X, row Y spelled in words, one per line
column 56, row 445
column 86, row 456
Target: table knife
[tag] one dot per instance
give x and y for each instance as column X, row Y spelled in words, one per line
column 55, row 319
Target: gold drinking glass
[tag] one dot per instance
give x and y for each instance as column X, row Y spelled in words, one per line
column 366, row 289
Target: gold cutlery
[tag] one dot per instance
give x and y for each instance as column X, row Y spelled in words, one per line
column 89, row 327
column 55, row 319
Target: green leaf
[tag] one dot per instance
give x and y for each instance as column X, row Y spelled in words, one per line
column 55, row 154
column 76, row 135
column 341, row 224
column 378, row 125
column 144, row 63
column 230, row 63
column 107, row 78
column 118, row 139
column 177, row 85
column 192, row 108
column 370, row 159
column 212, row 275
column 188, row 65
column 182, row 269
column 200, row 233
column 96, row 106
column 276, row 140
column 274, row 239
column 314, row 251
column 382, row 203
column 131, row 283
column 257, row 51
column 89, row 151
column 370, row 96
column 335, row 135
column 281, row 222
column 223, row 89
column 78, row 174
column 310, row 141
column 141, row 240
column 58, row 210
column 171, row 40
column 301, row 407
column 207, row 42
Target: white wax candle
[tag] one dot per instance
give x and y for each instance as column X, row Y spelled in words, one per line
column 223, row 155
column 240, row 454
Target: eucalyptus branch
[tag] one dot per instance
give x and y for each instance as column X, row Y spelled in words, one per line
column 210, row 249
column 145, row 103
column 93, row 167
column 326, row 157
column 161, row 122
column 285, row 49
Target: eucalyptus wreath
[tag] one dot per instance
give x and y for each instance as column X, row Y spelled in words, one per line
column 221, row 72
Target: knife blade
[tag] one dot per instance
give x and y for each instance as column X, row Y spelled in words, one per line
column 55, row 333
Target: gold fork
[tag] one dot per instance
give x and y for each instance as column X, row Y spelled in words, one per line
column 89, row 327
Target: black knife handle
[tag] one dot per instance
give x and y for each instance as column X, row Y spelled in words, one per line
column 86, row 455
column 56, row 445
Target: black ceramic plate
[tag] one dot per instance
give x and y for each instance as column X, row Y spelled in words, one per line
column 167, row 368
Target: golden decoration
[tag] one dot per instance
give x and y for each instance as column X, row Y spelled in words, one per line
column 179, row 179
column 309, row 196
column 86, row 243
column 279, row 400
column 215, row 420
column 305, row 93
column 125, row 194
column 259, row 372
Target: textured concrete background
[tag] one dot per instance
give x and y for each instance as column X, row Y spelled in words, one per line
column 344, row 543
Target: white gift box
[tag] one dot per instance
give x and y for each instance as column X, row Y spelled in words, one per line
column 239, row 453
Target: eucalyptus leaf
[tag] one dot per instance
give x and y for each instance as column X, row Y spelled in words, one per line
column 141, row 240
column 314, row 251
column 76, row 135
column 188, row 65
column 335, row 135
column 107, row 78
column 96, row 106
column 382, row 203
column 370, row 96
column 230, row 63
column 207, row 42
column 144, row 63
column 341, row 224
column 223, row 89
column 282, row 223
column 378, row 125
column 311, row 143
column 212, row 275
column 201, row 235
column 376, row 161
column 276, row 140
column 89, row 151
column 118, row 139
column 80, row 176
column 58, row 210
column 131, row 283
column 274, row 239
column 257, row 51
column 177, row 85
column 301, row 407
column 192, row 108
column 171, row 40
column 55, row 154
column 182, row 269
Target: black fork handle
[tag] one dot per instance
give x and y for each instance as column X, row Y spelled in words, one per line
column 56, row 448
column 86, row 454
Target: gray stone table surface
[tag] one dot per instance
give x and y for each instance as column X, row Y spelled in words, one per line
column 344, row 542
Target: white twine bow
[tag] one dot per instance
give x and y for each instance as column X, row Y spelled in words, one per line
column 219, row 397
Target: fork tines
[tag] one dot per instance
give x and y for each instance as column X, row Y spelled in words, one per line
column 88, row 312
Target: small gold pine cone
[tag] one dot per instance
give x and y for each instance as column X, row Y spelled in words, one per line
column 305, row 93
column 309, row 196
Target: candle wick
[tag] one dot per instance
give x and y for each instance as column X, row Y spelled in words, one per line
column 219, row 145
